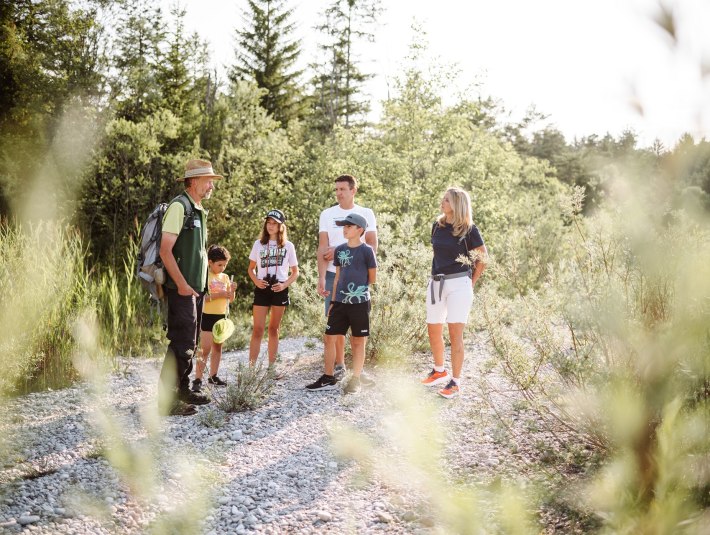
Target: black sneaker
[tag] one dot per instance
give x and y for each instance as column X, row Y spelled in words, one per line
column 193, row 398
column 352, row 386
column 339, row 371
column 180, row 408
column 197, row 385
column 324, row 382
column 214, row 380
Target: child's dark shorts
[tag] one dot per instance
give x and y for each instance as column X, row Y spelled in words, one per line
column 356, row 316
column 266, row 298
column 208, row 321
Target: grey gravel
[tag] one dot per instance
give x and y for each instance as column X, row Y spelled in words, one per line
column 270, row 470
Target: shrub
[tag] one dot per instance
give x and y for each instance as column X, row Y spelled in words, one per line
column 248, row 389
column 613, row 353
column 44, row 283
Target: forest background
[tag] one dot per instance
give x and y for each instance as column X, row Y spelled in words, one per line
column 598, row 283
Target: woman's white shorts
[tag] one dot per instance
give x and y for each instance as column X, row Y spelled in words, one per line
column 455, row 303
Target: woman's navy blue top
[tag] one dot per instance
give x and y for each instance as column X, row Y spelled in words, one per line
column 448, row 247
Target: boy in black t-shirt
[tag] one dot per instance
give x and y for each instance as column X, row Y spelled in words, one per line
column 356, row 269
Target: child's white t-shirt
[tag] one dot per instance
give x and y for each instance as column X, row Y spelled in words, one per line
column 271, row 259
column 329, row 216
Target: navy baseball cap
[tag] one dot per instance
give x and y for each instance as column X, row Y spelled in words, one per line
column 276, row 215
column 353, row 219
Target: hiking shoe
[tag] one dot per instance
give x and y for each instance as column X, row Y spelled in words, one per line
column 193, row 398
column 436, row 378
column 214, row 380
column 339, row 371
column 366, row 380
column 197, row 385
column 451, row 390
column 180, row 408
column 324, row 382
column 352, row 386
column 276, row 373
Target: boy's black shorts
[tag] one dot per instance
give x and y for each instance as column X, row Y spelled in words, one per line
column 356, row 316
column 208, row 321
column 266, row 298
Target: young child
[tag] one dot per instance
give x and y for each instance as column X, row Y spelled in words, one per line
column 270, row 260
column 355, row 270
column 220, row 292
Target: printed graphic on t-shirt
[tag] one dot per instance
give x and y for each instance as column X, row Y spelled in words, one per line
column 217, row 285
column 272, row 256
column 344, row 257
column 360, row 293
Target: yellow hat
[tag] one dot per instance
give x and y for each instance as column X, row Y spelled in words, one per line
column 222, row 330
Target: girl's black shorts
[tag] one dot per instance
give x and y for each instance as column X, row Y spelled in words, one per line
column 266, row 298
column 208, row 321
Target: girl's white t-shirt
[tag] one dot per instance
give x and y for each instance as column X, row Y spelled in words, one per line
column 271, row 259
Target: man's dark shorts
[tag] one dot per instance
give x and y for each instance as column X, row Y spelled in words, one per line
column 355, row 316
column 267, row 298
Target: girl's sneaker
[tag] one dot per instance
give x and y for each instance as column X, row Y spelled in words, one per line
column 436, row 378
column 197, row 385
column 352, row 386
column 451, row 390
column 214, row 380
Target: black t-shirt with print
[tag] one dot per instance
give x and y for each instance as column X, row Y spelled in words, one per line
column 448, row 247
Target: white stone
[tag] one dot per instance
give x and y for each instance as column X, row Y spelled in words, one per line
column 325, row 516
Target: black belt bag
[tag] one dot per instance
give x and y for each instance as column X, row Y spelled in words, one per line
column 441, row 278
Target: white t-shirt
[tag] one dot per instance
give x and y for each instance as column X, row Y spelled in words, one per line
column 329, row 216
column 272, row 259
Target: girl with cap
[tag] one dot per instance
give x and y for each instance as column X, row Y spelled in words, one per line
column 273, row 267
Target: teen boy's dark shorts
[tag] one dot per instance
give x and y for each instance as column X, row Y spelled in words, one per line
column 344, row 315
column 267, row 298
column 208, row 321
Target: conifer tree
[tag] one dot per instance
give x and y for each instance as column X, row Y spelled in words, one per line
column 267, row 55
column 140, row 32
column 338, row 79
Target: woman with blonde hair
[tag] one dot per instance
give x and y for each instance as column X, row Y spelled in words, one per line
column 450, row 291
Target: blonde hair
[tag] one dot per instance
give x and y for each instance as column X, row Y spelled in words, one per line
column 463, row 214
column 280, row 239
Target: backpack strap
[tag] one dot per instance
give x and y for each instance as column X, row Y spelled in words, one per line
column 187, row 205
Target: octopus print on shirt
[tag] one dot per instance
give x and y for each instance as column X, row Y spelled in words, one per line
column 354, row 263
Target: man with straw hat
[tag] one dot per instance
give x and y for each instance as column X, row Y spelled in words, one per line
column 184, row 255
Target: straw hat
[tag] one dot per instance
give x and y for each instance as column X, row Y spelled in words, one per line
column 199, row 168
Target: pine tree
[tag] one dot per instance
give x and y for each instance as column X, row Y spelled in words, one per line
column 266, row 55
column 181, row 76
column 141, row 31
column 339, row 80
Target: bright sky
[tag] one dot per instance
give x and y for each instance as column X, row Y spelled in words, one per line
column 581, row 62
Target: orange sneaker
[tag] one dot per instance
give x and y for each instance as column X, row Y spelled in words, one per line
column 451, row 390
column 436, row 378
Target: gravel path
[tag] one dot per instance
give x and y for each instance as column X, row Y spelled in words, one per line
column 270, row 470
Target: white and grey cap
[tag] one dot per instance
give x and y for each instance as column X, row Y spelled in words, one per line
column 276, row 215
